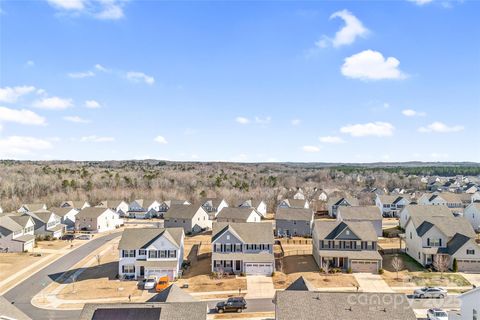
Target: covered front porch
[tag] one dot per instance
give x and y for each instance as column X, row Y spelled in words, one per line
column 227, row 266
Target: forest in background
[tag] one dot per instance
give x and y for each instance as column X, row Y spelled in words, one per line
column 55, row 181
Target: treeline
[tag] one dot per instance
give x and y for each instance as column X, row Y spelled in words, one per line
column 442, row 171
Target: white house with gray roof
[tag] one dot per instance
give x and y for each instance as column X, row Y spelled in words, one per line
column 390, row 205
column 294, row 203
column 293, row 222
column 422, row 211
column 47, row 223
column 32, row 207
column 472, row 214
column 214, row 205
column 67, row 215
column 428, row 236
column 469, row 306
column 16, row 233
column 95, row 219
column 370, row 214
column 334, row 203
column 346, row 245
column 238, row 214
column 243, row 248
column 79, row 205
column 257, row 204
column 151, row 251
column 144, row 208
column 119, row 206
column 192, row 218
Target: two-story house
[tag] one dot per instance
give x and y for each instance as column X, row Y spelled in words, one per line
column 299, row 195
column 151, row 251
column 469, row 306
column 426, row 237
column 192, row 218
column 257, row 204
column 346, row 245
column 294, row 203
column 238, row 214
column 319, row 200
column 243, row 248
column 79, row 205
column 32, row 207
column 95, row 219
column 370, row 214
column 472, row 214
column 165, row 205
column 67, row 215
column 16, row 233
column 422, row 211
column 455, row 201
column 334, row 203
column 47, row 223
column 119, row 206
column 390, row 205
column 293, row 222
column 144, row 208
column 214, row 205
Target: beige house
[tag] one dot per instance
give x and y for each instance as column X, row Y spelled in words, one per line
column 95, row 219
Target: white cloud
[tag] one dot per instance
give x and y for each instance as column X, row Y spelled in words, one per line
column 68, row 4
column 311, row 149
column 76, row 119
column 160, row 140
column 140, row 77
column 421, row 2
column 378, row 129
column 15, row 146
column 371, row 65
column 331, row 139
column 81, row 75
column 29, row 64
column 242, row 120
column 95, row 138
column 92, row 104
column 110, row 11
column 296, row 122
column 413, row 113
column 352, row 29
column 22, row 116
column 265, row 120
column 12, row 94
column 99, row 67
column 53, row 103
column 440, row 127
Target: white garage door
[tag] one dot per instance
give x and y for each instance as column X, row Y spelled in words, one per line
column 258, row 268
column 364, row 266
column 468, row 265
column 159, row 273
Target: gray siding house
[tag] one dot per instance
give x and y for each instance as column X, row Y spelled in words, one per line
column 294, row 222
column 243, row 248
column 16, row 233
column 191, row 218
column 371, row 214
column 47, row 224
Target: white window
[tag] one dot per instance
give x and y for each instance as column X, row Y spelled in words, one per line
column 470, row 251
column 128, row 269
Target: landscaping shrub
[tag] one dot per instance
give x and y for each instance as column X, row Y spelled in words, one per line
column 455, row 265
column 380, row 271
column 349, row 270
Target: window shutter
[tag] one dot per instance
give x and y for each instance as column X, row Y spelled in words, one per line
column 440, row 242
column 428, row 241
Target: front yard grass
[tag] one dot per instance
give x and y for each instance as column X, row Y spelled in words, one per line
column 305, row 265
column 11, row 263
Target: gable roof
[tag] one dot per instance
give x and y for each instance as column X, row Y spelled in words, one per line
column 337, row 200
column 137, row 238
column 8, row 223
column 91, row 212
column 21, row 220
column 42, row 216
column 301, row 284
column 428, row 211
column 214, row 202
column 182, row 211
column 240, row 213
column 294, row 214
column 74, row 204
column 261, row 232
column 110, row 203
column 34, row 206
column 360, row 213
column 456, row 243
column 393, row 199
column 173, row 294
column 62, row 211
column 295, row 203
column 308, row 305
column 332, row 229
column 449, row 226
column 250, row 203
column 145, row 203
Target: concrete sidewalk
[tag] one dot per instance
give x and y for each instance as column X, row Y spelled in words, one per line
column 473, row 278
column 369, row 282
column 259, row 287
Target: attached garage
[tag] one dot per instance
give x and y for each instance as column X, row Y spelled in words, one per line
column 364, row 266
column 258, row 268
column 468, row 265
column 160, row 273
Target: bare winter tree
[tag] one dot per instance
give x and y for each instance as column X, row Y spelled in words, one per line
column 98, row 258
column 441, row 263
column 326, row 267
column 397, row 264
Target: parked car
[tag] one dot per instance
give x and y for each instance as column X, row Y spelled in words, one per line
column 150, row 283
column 430, row 292
column 232, row 305
column 162, row 284
column 437, row 314
column 84, row 237
column 68, row 237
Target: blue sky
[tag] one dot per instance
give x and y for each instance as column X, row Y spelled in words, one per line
column 240, row 81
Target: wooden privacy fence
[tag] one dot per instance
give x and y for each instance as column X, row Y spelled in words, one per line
column 296, row 241
column 296, row 253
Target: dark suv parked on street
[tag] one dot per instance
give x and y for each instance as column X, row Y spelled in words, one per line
column 232, row 305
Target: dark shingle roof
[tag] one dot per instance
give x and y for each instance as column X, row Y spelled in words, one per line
column 331, row 229
column 172, row 294
column 301, row 284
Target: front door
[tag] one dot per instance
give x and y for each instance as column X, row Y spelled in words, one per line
column 142, row 271
column 237, row 265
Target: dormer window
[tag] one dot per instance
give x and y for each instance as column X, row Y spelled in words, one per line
column 347, row 232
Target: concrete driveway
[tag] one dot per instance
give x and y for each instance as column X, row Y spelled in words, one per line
column 473, row 278
column 369, row 282
column 259, row 287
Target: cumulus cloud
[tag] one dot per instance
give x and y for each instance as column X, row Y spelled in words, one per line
column 372, row 65
column 296, row 122
column 68, row 4
column 160, row 140
column 53, row 103
column 92, row 104
column 413, row 113
column 15, row 146
column 99, row 67
column 12, row 94
column 352, row 30
column 242, row 120
column 81, row 75
column 311, row 149
column 136, row 76
column 421, row 2
column 378, row 129
column 22, row 116
column 99, row 9
column 110, row 11
column 29, row 64
column 440, row 127
column 76, row 119
column 95, row 138
column 331, row 139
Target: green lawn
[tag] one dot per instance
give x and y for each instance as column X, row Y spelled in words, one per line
column 431, row 279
